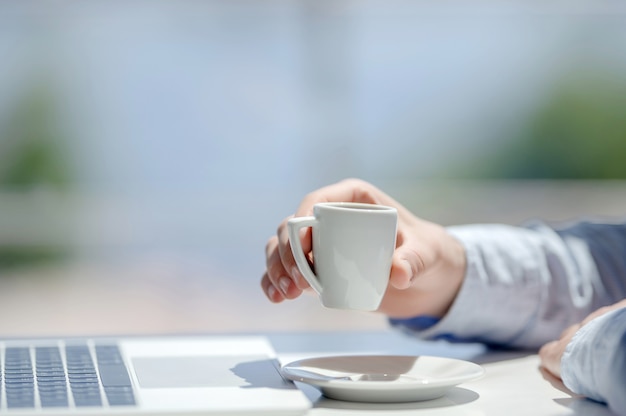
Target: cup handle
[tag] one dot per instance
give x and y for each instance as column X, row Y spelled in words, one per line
column 294, row 225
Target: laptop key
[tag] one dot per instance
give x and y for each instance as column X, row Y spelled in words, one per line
column 41, row 377
column 19, row 381
column 82, row 376
column 51, row 380
column 114, row 376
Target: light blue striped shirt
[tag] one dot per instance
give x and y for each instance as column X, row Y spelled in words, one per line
column 525, row 285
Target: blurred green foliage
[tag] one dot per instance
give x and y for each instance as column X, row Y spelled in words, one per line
column 32, row 157
column 31, row 147
column 579, row 133
column 12, row 257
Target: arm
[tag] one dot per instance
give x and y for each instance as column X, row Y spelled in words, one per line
column 516, row 286
column 594, row 362
column 427, row 267
column 524, row 285
column 590, row 357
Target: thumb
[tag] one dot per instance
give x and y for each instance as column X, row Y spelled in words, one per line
column 406, row 265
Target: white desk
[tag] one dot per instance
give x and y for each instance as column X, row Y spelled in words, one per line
column 513, row 384
column 156, row 299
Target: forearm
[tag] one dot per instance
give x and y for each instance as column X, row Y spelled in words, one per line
column 523, row 286
column 594, row 362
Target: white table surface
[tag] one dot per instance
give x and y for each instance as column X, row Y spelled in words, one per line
column 157, row 298
column 513, row 383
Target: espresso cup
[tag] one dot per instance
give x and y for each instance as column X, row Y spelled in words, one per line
column 353, row 244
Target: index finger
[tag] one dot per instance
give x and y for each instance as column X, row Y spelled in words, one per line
column 286, row 255
column 349, row 190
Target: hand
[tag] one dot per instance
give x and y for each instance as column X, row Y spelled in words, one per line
column 552, row 352
column 428, row 264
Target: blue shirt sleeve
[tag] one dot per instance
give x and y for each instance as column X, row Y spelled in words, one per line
column 594, row 362
column 607, row 246
column 524, row 285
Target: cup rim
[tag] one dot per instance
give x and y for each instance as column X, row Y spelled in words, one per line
column 355, row 206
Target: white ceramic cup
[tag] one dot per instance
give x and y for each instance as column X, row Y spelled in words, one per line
column 353, row 244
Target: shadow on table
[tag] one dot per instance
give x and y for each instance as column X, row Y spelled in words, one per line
column 261, row 373
column 585, row 407
column 578, row 404
column 454, row 397
column 494, row 355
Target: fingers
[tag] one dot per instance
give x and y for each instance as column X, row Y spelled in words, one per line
column 405, row 267
column 552, row 352
column 273, row 294
column 348, row 190
column 282, row 279
column 278, row 281
column 277, row 274
column 410, row 259
column 427, row 272
column 403, row 271
column 274, row 271
column 286, row 255
column 550, row 355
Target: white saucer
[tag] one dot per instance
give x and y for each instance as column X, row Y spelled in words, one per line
column 395, row 378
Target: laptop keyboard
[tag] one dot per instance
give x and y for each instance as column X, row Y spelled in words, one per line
column 64, row 376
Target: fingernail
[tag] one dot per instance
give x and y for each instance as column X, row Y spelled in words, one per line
column 295, row 272
column 408, row 269
column 284, row 283
column 271, row 292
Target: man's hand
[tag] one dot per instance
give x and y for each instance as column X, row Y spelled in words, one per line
column 552, row 352
column 428, row 264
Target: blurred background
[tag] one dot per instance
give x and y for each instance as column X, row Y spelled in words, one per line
column 148, row 149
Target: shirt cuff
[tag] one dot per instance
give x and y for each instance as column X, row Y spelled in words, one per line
column 594, row 361
column 476, row 315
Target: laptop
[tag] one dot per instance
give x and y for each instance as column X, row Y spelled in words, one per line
column 200, row 375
